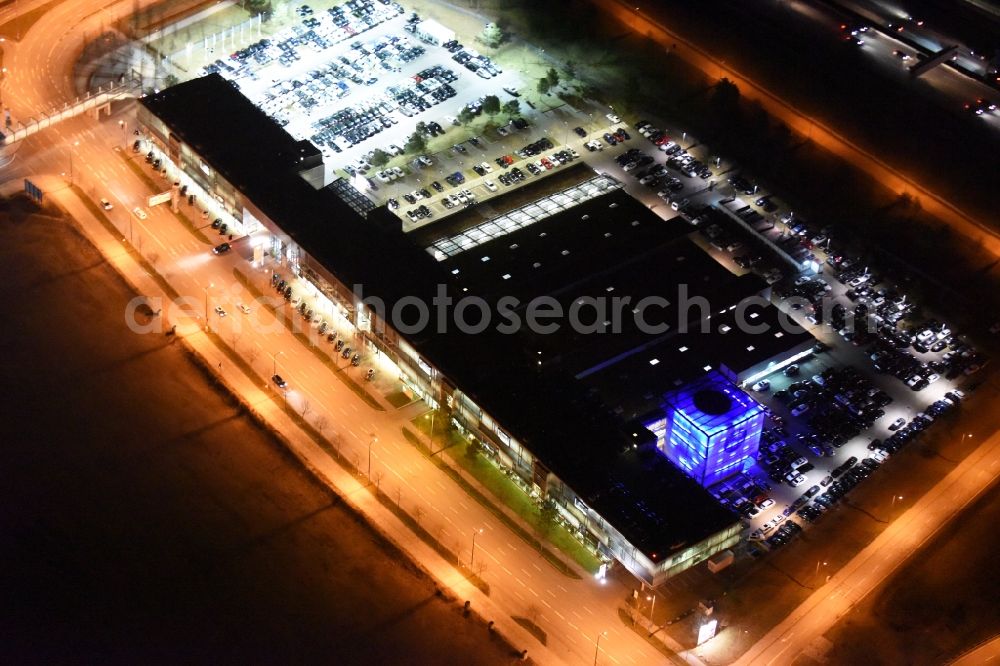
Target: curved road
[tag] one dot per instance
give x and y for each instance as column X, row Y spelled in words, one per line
column 572, row 612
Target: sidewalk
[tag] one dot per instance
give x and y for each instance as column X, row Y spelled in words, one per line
column 446, row 461
column 261, row 404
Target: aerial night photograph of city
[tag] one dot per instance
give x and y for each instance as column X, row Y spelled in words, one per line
column 500, row 331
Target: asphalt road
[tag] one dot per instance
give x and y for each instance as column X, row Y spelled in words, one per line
column 148, row 520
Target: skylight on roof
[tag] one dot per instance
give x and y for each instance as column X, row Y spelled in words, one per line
column 779, row 334
column 506, row 276
column 682, row 349
column 654, row 361
column 484, row 259
column 751, row 348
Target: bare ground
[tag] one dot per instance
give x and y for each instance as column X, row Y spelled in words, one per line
column 146, row 520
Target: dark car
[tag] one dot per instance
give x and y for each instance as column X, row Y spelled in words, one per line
column 580, row 131
column 279, row 382
column 221, row 249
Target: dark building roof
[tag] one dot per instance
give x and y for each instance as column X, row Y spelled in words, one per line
column 263, row 161
column 569, row 429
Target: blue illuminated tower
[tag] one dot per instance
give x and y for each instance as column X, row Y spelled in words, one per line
column 711, row 429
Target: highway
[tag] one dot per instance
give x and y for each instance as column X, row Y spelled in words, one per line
column 872, row 566
column 893, row 177
column 572, row 612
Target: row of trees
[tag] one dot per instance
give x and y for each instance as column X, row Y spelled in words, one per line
column 417, row 143
column 549, row 81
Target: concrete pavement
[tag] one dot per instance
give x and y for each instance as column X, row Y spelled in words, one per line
column 873, row 565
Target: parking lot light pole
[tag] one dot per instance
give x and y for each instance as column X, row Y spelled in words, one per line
column 274, row 363
column 651, row 598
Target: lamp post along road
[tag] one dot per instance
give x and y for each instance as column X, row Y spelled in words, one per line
column 370, row 444
column 597, row 649
column 472, row 558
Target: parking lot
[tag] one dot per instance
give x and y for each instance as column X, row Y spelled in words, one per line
column 883, row 373
column 358, row 76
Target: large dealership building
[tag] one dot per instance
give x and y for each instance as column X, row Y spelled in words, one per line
column 622, row 413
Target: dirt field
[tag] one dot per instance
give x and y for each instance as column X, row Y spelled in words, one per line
column 936, row 608
column 146, row 520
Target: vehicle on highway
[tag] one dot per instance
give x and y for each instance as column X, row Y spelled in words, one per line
column 106, row 205
column 221, row 248
column 279, row 382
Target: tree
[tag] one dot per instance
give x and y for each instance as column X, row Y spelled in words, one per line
column 492, row 35
column 543, row 86
column 257, row 6
column 549, row 512
column 379, row 158
column 472, row 450
column 491, row 105
column 416, row 143
column 512, row 108
column 553, row 77
column 466, row 116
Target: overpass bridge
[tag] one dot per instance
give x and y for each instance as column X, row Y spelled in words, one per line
column 932, row 61
column 93, row 103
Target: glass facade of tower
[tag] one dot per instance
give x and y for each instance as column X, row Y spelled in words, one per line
column 711, row 429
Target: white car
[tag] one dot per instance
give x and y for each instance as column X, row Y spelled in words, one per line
column 797, row 481
column 106, row 205
column 139, row 213
column 244, row 309
column 766, row 504
column 761, row 386
column 612, row 117
column 219, row 311
column 490, row 185
column 486, row 167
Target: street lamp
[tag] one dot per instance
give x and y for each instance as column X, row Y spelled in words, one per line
column 210, row 285
column 274, row 363
column 472, row 558
column 75, row 144
column 652, row 598
column 817, row 566
column 370, row 444
column 598, row 648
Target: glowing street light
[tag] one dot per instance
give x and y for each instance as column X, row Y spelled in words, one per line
column 598, row 648
column 371, row 443
column 472, row 558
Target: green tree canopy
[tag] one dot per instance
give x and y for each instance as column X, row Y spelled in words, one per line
column 379, row 157
column 491, row 105
column 543, row 86
column 416, row 143
column 512, row 108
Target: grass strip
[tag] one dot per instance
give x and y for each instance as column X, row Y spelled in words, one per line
column 98, row 212
column 513, row 525
column 334, row 452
